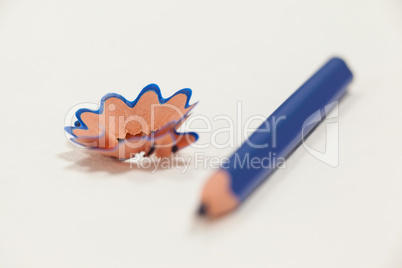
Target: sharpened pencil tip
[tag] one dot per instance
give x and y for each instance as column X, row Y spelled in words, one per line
column 202, row 210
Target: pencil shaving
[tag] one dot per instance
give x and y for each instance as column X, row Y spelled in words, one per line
column 122, row 128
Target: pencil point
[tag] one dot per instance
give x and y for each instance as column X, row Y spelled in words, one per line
column 202, row 210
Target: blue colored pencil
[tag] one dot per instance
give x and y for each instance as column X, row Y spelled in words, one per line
column 277, row 138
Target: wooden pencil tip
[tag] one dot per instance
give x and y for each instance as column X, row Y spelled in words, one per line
column 202, row 210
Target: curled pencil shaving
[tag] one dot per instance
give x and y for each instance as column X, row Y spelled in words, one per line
column 122, row 128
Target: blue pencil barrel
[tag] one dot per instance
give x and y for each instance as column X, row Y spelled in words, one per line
column 283, row 131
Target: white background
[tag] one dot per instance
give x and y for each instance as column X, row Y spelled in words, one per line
column 60, row 207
